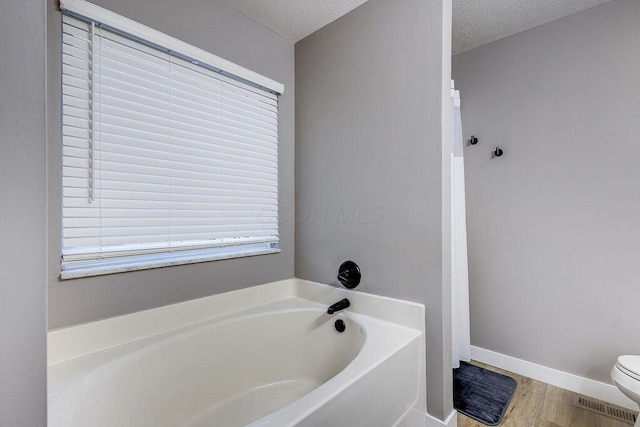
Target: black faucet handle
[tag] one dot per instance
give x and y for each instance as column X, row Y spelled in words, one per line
column 349, row 274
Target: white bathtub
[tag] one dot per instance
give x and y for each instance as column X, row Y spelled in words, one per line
column 264, row 356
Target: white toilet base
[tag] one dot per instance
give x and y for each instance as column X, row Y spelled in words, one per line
column 629, row 386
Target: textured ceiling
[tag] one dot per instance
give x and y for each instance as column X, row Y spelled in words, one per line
column 478, row 22
column 475, row 22
column 294, row 19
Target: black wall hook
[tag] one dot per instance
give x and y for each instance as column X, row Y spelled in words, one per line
column 498, row 152
column 473, row 140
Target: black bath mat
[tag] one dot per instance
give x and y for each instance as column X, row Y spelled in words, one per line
column 482, row 394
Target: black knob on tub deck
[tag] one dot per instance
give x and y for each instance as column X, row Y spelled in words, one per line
column 349, row 274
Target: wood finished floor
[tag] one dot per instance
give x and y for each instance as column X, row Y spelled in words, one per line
column 536, row 404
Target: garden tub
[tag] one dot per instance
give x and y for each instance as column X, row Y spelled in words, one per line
column 263, row 356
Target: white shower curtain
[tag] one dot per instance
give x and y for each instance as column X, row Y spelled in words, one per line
column 459, row 267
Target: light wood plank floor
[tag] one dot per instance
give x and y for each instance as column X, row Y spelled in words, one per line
column 537, row 404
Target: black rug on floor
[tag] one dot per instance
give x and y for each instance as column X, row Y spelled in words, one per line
column 482, row 394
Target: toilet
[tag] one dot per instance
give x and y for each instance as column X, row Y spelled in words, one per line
column 626, row 376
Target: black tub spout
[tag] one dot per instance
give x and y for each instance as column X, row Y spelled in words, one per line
column 340, row 305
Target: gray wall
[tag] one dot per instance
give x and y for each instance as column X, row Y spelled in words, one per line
column 23, row 323
column 221, row 30
column 369, row 161
column 553, row 224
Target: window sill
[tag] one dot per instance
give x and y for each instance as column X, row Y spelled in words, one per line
column 147, row 262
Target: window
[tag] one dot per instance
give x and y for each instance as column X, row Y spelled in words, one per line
column 170, row 154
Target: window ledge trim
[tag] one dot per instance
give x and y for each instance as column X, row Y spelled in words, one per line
column 159, row 261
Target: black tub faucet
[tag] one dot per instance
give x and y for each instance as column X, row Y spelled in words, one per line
column 340, row 305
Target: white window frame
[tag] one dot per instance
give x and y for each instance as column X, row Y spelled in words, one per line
column 81, row 265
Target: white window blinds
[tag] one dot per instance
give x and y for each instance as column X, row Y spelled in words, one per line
column 165, row 161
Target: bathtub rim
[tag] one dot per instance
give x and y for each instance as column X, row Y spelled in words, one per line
column 78, row 340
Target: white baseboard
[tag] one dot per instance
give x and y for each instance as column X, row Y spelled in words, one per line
column 595, row 389
column 451, row 421
column 417, row 418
